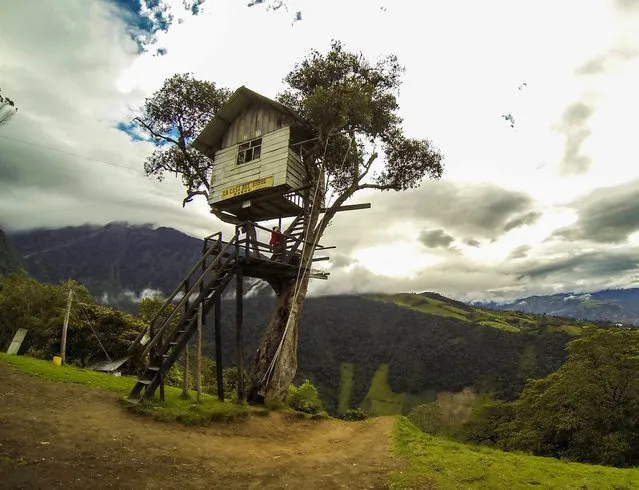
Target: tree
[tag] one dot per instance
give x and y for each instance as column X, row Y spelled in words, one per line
column 173, row 116
column 351, row 104
column 7, row 109
column 586, row 411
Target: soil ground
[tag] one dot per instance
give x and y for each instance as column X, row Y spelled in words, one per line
column 55, row 435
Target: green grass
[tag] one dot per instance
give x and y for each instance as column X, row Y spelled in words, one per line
column 509, row 321
column 380, row 399
column 346, row 371
column 574, row 330
column 435, row 462
column 174, row 407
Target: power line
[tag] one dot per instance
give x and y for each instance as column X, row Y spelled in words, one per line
column 69, row 153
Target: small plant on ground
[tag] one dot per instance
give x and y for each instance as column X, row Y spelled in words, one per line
column 304, row 398
column 353, row 415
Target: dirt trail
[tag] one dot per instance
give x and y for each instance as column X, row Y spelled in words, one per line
column 55, row 435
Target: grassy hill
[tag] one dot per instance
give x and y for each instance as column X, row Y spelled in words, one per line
column 389, row 353
column 267, row 450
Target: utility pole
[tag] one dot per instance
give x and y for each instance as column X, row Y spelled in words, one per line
column 198, row 356
column 65, row 326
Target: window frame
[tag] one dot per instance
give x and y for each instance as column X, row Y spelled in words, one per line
column 249, row 149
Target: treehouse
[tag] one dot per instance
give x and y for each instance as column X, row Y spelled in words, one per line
column 256, row 145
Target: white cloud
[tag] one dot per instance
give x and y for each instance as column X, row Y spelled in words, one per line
column 74, row 81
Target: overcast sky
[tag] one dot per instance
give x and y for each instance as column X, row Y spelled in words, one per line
column 549, row 205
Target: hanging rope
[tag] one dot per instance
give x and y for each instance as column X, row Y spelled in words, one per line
column 303, row 265
column 86, row 317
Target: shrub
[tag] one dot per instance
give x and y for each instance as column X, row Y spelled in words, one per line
column 304, row 398
column 352, row 415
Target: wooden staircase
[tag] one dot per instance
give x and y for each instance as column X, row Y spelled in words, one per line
column 203, row 285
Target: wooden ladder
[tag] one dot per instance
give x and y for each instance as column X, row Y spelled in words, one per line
column 206, row 284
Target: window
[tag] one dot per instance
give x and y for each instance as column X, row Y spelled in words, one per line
column 249, row 151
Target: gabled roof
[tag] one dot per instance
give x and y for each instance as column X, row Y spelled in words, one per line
column 210, row 139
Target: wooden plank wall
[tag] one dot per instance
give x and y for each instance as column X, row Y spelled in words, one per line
column 272, row 162
column 255, row 121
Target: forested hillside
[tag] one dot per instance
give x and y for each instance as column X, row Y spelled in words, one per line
column 345, row 340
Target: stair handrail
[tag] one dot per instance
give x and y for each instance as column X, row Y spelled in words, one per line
column 196, row 284
column 172, row 296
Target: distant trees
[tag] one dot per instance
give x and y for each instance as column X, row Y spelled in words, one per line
column 586, row 411
column 7, row 109
column 40, row 308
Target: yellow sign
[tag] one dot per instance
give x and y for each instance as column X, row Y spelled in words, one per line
column 238, row 190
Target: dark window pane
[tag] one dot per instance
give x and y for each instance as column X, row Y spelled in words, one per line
column 257, row 142
column 241, row 157
column 256, row 152
column 243, row 146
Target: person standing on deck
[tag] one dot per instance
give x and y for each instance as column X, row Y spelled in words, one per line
column 277, row 241
column 251, row 236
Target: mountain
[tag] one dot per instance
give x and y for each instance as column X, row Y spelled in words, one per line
column 119, row 263
column 385, row 353
column 615, row 305
column 9, row 260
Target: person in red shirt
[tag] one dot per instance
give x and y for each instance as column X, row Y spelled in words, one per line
column 277, row 241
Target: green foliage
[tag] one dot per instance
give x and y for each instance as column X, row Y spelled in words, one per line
column 304, row 398
column 434, row 462
column 40, row 308
column 354, row 415
column 343, row 91
column 7, row 109
column 174, row 408
column 183, row 105
column 346, row 370
column 586, row 411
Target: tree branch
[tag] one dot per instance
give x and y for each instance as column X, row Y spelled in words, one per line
column 376, row 186
column 153, row 133
column 191, row 195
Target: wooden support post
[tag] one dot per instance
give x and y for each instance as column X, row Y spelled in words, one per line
column 218, row 350
column 198, row 356
column 185, row 380
column 239, row 296
column 65, row 327
column 161, row 385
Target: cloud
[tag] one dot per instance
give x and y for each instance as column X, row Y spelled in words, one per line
column 435, row 238
column 526, row 219
column 629, row 6
column 471, row 242
column 519, row 252
column 606, row 215
column 600, row 64
column 64, row 161
column 479, row 210
column 574, row 124
column 589, row 265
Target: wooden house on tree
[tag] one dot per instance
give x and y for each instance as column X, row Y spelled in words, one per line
column 257, row 146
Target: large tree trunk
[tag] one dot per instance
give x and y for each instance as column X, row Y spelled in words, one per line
column 273, row 372
column 271, row 381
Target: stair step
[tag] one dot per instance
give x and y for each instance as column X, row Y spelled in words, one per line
column 132, row 401
column 153, row 368
column 145, row 381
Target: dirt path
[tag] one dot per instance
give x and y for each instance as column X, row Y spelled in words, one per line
column 55, row 435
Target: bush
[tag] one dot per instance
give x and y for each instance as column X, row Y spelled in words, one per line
column 352, row 415
column 304, row 398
